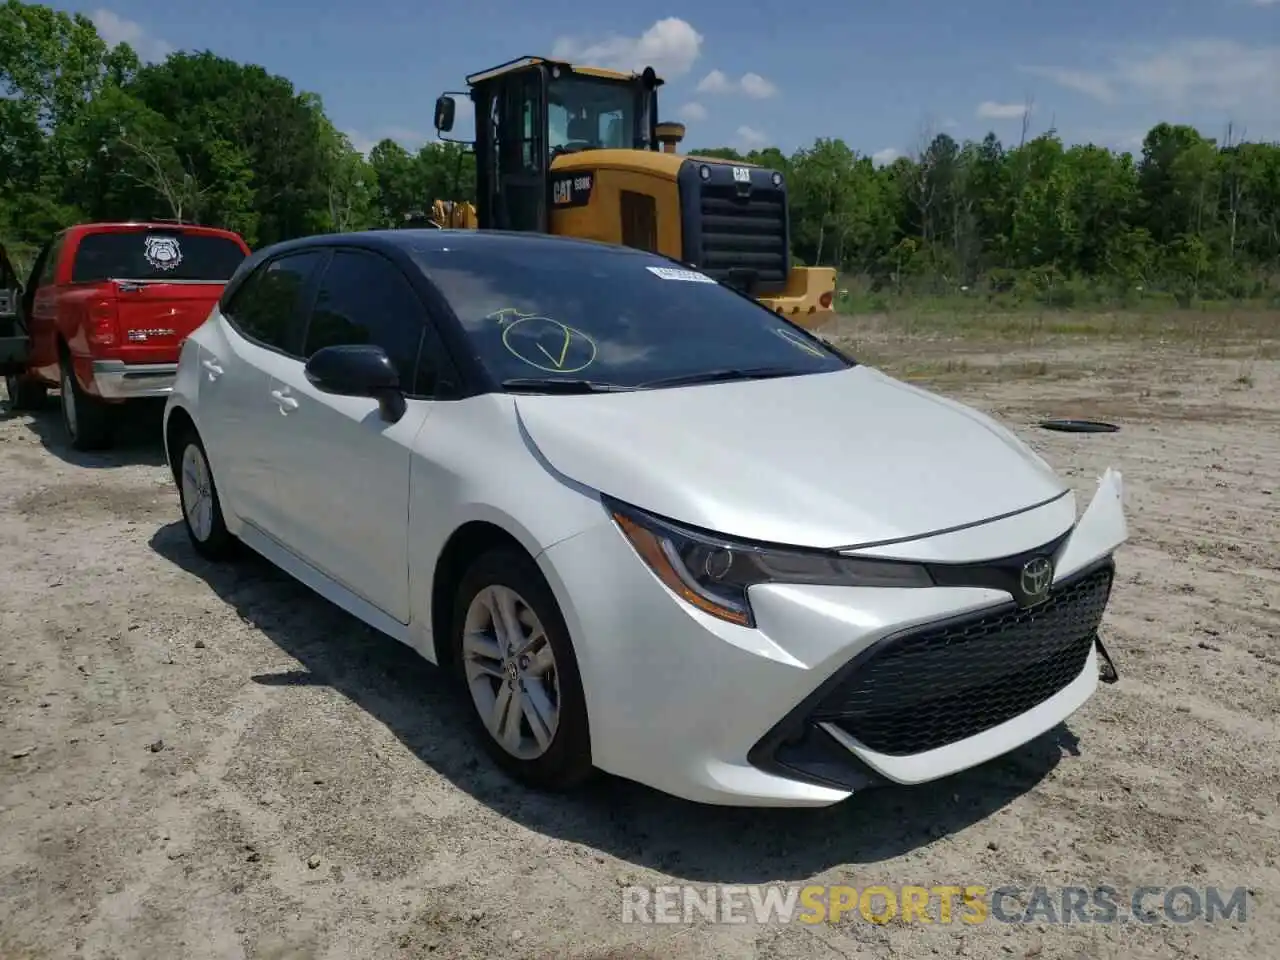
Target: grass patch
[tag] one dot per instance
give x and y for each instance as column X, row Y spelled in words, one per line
column 1229, row 332
column 951, row 370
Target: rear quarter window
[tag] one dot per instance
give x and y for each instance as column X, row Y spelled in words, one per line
column 155, row 255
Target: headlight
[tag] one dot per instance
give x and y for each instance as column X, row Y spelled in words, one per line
column 714, row 574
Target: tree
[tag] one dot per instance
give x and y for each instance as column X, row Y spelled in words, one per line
column 87, row 132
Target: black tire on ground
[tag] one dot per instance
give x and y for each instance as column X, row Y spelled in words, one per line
column 92, row 426
column 218, row 543
column 566, row 763
column 25, row 394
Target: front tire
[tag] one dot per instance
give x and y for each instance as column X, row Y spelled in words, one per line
column 86, row 419
column 201, row 507
column 513, row 656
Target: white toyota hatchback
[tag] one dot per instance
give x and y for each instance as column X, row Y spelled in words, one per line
column 652, row 527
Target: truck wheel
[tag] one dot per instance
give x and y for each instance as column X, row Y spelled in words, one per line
column 86, row 419
column 24, row 394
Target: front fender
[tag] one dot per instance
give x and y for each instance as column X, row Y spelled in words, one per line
column 1101, row 528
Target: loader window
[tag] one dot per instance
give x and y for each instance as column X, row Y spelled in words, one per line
column 587, row 112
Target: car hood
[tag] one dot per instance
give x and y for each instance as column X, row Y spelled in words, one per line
column 839, row 459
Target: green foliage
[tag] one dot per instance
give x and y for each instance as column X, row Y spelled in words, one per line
column 1189, row 220
column 89, row 133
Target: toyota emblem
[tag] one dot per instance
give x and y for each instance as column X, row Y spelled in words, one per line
column 1037, row 577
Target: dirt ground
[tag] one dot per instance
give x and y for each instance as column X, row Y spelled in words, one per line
column 206, row 762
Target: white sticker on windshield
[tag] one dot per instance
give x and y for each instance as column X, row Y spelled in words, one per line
column 163, row 253
column 672, row 273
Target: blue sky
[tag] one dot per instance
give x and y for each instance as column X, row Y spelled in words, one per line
column 881, row 77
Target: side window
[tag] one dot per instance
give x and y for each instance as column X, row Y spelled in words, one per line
column 364, row 298
column 265, row 308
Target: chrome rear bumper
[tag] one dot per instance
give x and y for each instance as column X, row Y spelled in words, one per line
column 117, row 380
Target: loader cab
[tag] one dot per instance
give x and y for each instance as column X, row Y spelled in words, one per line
column 530, row 111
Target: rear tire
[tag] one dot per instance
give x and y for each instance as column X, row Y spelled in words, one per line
column 86, row 419
column 201, row 507
column 25, row 394
column 503, row 603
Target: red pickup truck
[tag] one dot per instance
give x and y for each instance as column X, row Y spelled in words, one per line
column 105, row 312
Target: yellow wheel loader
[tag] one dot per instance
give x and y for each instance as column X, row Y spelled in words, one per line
column 579, row 151
column 453, row 215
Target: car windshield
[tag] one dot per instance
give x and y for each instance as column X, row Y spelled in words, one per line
column 158, row 254
column 612, row 317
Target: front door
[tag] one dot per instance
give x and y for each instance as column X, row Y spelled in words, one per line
column 39, row 311
column 342, row 470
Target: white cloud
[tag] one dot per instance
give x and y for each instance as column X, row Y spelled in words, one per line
column 757, row 87
column 693, row 112
column 1265, row 3
column 670, row 46
column 990, row 110
column 882, row 158
column 751, row 138
column 751, row 84
column 361, row 143
column 1081, row 81
column 1217, row 74
column 407, row 137
column 115, row 29
column 715, row 82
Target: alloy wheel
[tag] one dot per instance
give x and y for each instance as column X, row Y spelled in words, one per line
column 197, row 493
column 511, row 672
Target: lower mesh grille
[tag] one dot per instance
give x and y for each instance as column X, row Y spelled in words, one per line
column 941, row 684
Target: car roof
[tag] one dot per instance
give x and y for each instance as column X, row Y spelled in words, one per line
column 410, row 241
column 159, row 226
column 404, row 244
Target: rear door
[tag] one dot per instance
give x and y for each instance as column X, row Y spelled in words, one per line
column 240, row 351
column 164, row 281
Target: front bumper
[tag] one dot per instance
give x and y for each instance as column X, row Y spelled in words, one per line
column 836, row 688
column 801, row 302
column 117, row 380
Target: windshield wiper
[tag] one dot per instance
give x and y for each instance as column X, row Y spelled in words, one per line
column 560, row 385
column 727, row 373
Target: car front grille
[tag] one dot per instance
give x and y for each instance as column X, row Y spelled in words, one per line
column 743, row 230
column 941, row 683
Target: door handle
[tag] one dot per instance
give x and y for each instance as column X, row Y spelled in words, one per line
column 285, row 401
column 215, row 371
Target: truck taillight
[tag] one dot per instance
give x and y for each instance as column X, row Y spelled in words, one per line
column 825, row 300
column 101, row 329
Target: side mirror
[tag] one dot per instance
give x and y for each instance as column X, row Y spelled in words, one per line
column 358, row 370
column 445, row 107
